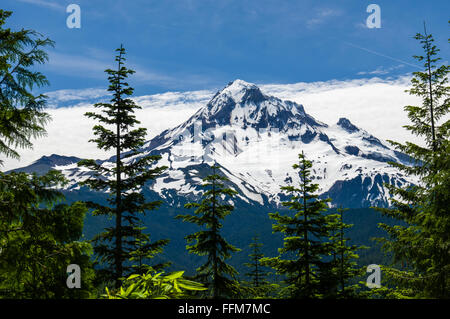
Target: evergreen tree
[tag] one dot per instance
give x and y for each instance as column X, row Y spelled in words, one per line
column 343, row 258
column 421, row 242
column 257, row 274
column 39, row 234
column 125, row 179
column 303, row 256
column 145, row 250
column 21, row 112
column 39, row 238
column 259, row 285
column 216, row 274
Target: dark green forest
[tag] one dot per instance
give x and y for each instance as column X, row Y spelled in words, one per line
column 128, row 244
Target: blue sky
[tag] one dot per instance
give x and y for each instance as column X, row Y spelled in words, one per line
column 203, row 44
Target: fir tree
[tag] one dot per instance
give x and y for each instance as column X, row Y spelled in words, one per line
column 131, row 171
column 39, row 238
column 216, row 274
column 259, row 285
column 39, row 234
column 306, row 229
column 421, row 242
column 21, row 112
column 145, row 250
column 343, row 258
column 257, row 274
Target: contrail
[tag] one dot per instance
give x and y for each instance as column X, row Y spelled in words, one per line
column 382, row 55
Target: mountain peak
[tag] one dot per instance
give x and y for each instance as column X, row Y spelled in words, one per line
column 243, row 104
column 45, row 163
column 242, row 92
column 238, row 85
column 347, row 125
column 55, row 159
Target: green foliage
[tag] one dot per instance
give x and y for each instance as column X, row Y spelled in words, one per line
column 257, row 274
column 219, row 276
column 343, row 263
column 258, row 286
column 21, row 112
column 303, row 258
column 386, row 290
column 421, row 246
column 39, row 238
column 145, row 250
column 118, row 244
column 155, row 285
column 266, row 290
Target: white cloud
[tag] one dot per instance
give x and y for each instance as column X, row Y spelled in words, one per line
column 321, row 16
column 381, row 70
column 374, row 104
column 45, row 3
column 56, row 97
column 377, row 71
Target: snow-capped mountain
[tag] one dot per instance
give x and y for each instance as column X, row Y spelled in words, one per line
column 255, row 139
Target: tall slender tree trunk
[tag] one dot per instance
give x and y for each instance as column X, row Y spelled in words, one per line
column 341, row 235
column 118, row 261
column 256, row 269
column 434, row 146
column 307, row 270
column 430, row 90
column 215, row 293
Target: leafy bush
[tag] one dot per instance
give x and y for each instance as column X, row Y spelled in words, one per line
column 153, row 285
